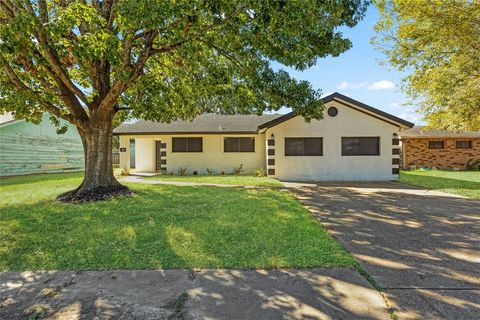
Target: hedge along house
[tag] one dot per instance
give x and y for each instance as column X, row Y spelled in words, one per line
column 27, row 148
column 440, row 149
column 352, row 142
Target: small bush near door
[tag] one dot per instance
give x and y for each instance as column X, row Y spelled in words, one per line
column 260, row 172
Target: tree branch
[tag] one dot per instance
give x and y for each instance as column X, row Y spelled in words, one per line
column 50, row 56
column 50, row 107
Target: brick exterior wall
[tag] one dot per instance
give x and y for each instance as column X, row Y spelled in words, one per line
column 415, row 152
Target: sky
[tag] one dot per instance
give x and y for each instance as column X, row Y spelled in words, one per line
column 357, row 73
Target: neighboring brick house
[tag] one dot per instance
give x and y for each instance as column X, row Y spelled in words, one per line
column 440, row 149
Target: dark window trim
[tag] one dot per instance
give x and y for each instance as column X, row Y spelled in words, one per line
column 459, row 144
column 303, row 155
column 364, row 154
column 239, row 138
column 432, row 142
column 187, row 138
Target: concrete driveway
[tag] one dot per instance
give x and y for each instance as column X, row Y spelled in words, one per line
column 422, row 247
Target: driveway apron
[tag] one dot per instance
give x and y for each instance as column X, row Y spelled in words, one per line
column 422, row 247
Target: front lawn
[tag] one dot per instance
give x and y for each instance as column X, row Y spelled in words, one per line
column 464, row 183
column 161, row 226
column 225, row 179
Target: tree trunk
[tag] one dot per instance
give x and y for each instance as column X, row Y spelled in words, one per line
column 98, row 182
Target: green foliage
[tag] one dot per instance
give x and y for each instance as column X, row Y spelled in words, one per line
column 181, row 171
column 473, row 164
column 436, row 42
column 160, row 227
column 464, row 183
column 260, row 172
column 238, row 170
column 164, row 60
column 221, row 179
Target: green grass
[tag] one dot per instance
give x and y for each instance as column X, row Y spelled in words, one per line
column 161, row 226
column 226, row 179
column 464, row 183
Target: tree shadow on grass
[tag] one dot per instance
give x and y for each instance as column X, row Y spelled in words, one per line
column 176, row 227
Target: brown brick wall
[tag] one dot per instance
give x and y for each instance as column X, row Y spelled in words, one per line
column 415, row 152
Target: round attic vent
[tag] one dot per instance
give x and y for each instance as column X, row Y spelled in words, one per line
column 332, row 111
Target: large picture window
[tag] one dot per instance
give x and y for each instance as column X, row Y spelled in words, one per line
column 233, row 144
column 187, row 145
column 360, row 146
column 303, row 146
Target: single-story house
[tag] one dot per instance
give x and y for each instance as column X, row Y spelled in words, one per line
column 435, row 148
column 352, row 142
column 27, row 148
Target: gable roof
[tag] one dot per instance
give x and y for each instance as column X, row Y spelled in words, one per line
column 422, row 132
column 205, row 123
column 362, row 107
column 214, row 123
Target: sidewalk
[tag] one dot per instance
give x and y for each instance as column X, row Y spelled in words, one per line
column 140, row 179
column 334, row 293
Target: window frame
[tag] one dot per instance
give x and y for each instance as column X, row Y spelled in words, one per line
column 239, row 144
column 377, row 154
column 461, row 142
column 432, row 142
column 187, row 144
column 303, row 146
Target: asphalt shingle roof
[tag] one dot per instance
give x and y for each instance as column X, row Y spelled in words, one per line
column 422, row 132
column 206, row 123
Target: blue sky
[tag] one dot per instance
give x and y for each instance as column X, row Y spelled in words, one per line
column 358, row 74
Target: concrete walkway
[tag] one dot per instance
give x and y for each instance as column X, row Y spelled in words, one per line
column 422, row 246
column 334, row 293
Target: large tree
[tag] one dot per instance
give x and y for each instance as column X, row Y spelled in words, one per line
column 85, row 61
column 437, row 43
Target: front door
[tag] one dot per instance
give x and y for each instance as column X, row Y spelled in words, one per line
column 158, row 156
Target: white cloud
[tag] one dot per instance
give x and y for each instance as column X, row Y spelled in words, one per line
column 378, row 85
column 344, row 85
column 381, row 85
column 412, row 117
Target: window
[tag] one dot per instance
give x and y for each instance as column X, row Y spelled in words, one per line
column 360, row 146
column 187, row 145
column 239, row 144
column 332, row 111
column 303, row 146
column 463, row 144
column 435, row 145
column 132, row 153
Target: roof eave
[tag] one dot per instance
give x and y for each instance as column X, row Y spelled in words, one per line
column 381, row 115
column 181, row 133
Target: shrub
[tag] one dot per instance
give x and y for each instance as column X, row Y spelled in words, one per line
column 210, row 172
column 195, row 173
column 181, row 171
column 260, row 172
column 473, row 164
column 238, row 170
